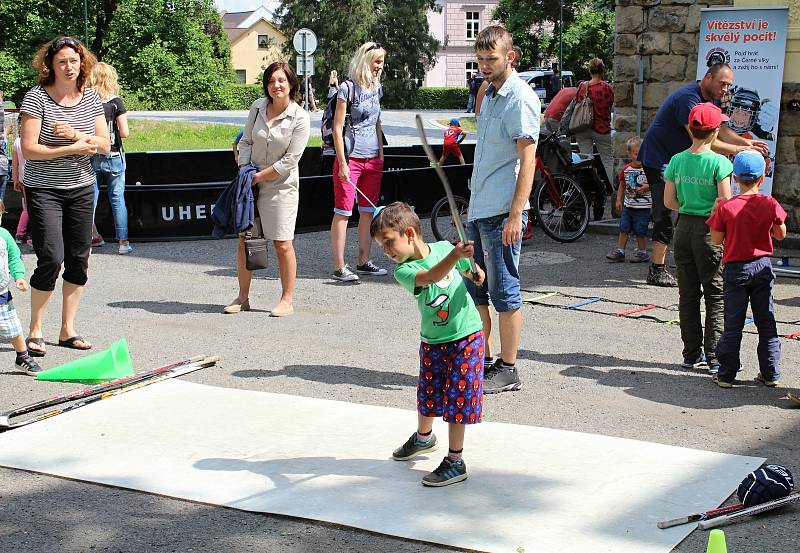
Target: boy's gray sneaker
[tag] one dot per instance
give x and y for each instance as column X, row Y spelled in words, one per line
column 640, row 256
column 413, row 447
column 369, row 268
column 694, row 362
column 660, row 277
column 344, row 274
column 28, row 366
column 500, row 379
column 616, row 256
column 448, row 472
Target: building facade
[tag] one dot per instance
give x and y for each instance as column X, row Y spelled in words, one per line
column 456, row 26
column 255, row 42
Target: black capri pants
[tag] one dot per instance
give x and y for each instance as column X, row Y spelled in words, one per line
column 662, row 217
column 61, row 229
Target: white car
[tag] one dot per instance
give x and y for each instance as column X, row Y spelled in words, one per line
column 540, row 79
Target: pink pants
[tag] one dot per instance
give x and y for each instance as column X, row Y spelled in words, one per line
column 22, row 226
column 366, row 175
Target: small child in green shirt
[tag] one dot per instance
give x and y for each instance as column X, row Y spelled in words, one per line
column 12, row 269
column 694, row 179
column 450, row 383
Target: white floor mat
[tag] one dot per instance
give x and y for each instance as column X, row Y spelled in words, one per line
column 529, row 489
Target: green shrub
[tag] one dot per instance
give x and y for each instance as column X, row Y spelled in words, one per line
column 132, row 101
column 440, row 98
column 242, row 96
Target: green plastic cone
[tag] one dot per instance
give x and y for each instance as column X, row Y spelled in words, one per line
column 115, row 362
column 716, row 542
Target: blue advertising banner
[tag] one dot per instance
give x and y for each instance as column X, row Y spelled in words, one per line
column 753, row 42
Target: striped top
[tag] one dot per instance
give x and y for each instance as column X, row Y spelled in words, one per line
column 73, row 171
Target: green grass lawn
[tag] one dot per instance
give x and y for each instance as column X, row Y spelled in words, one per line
column 467, row 124
column 150, row 136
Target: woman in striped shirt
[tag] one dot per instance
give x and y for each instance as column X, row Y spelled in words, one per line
column 63, row 126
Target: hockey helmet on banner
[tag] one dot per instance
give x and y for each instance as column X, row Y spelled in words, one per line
column 765, row 484
column 743, row 109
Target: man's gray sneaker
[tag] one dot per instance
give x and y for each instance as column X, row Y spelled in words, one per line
column 660, row 277
column 500, row 379
column 344, row 274
column 414, row 447
column 369, row 268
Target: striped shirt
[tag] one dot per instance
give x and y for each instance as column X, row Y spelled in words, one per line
column 72, row 171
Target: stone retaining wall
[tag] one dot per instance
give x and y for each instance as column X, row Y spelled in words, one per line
column 666, row 31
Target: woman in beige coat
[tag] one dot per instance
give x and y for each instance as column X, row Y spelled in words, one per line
column 274, row 139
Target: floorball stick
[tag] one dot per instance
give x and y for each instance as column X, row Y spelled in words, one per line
column 174, row 373
column 451, row 201
column 90, row 391
column 744, row 513
column 696, row 517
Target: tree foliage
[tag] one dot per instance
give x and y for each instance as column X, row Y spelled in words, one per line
column 169, row 54
column 341, row 26
column 588, row 30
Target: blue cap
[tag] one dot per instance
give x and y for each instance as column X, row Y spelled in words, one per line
column 455, row 122
column 749, row 165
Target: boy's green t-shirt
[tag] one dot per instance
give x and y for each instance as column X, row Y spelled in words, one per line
column 448, row 312
column 696, row 177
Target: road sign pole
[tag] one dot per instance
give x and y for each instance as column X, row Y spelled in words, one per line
column 305, row 71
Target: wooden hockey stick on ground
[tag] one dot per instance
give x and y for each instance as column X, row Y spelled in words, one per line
column 744, row 513
column 91, row 390
column 174, row 373
column 696, row 517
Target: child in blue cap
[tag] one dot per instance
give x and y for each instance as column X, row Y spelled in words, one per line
column 453, row 136
column 746, row 224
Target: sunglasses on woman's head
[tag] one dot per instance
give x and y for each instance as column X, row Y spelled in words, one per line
column 375, row 46
column 58, row 44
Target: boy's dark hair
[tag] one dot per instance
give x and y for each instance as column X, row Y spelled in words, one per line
column 747, row 183
column 397, row 216
column 493, row 37
column 702, row 134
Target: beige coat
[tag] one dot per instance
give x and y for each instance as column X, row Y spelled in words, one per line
column 279, row 144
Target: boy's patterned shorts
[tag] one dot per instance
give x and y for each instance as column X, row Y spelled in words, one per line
column 451, row 380
column 10, row 326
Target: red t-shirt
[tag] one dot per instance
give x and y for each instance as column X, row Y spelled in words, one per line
column 558, row 105
column 747, row 222
column 451, row 135
column 602, row 96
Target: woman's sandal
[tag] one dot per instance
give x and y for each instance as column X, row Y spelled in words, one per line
column 70, row 343
column 35, row 352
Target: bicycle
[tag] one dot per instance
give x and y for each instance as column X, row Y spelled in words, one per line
column 559, row 204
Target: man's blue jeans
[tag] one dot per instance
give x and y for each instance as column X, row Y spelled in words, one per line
column 499, row 262
column 749, row 282
column 111, row 169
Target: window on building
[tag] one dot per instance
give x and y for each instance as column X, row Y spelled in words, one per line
column 471, row 69
column 263, row 42
column 473, row 24
column 241, row 76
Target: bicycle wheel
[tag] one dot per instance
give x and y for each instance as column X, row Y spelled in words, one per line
column 562, row 210
column 442, row 220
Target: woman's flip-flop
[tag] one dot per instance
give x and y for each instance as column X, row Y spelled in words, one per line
column 35, row 352
column 70, row 343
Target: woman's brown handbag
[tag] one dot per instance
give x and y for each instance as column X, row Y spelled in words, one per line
column 255, row 252
column 582, row 117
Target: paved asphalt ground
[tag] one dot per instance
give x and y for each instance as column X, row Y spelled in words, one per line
column 581, row 370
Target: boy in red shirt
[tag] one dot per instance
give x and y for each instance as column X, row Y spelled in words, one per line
column 746, row 224
column 453, row 136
